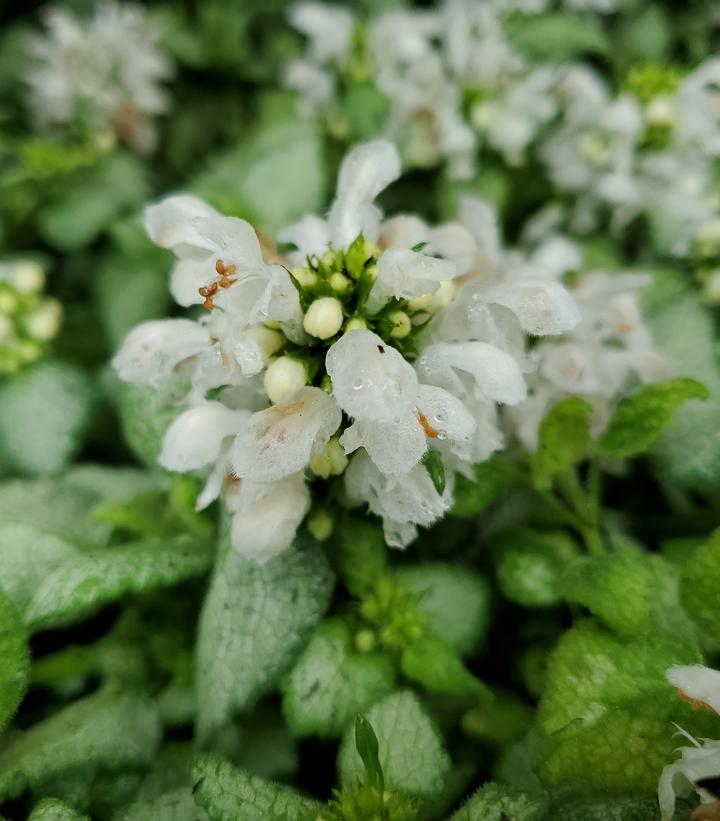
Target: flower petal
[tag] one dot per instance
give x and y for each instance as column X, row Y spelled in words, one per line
column 364, row 173
column 173, row 223
column 543, row 308
column 280, row 440
column 151, row 351
column 371, row 380
column 267, row 515
column 196, row 437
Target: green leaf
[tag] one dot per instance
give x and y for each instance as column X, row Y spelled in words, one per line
column 45, row 415
column 436, row 470
column 104, row 732
column 228, row 794
column 275, row 177
column 114, row 484
column 499, row 802
column 556, row 36
column 54, row 507
column 456, row 601
column 471, row 497
column 366, row 744
column 700, row 587
column 14, row 660
column 174, row 805
column 255, row 621
column 684, row 332
column 563, row 440
column 641, row 419
column 331, row 682
column 76, row 219
column 80, row 585
column 607, row 710
column 618, row 588
column 603, row 806
column 52, row 809
column 146, row 413
column 530, row 564
column 358, row 553
column 434, row 664
column 411, row 751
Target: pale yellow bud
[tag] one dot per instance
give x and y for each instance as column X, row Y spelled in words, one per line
column 283, row 378
column 324, row 318
column 401, row 324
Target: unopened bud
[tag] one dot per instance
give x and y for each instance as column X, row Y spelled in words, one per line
column 267, row 339
column 356, row 323
column 304, row 277
column 283, row 378
column 339, row 282
column 44, row 322
column 28, row 277
column 324, row 318
column 401, row 325
column 320, row 524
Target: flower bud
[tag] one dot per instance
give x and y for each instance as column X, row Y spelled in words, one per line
column 365, row 640
column 283, row 378
column 28, row 277
column 44, row 322
column 7, row 329
column 401, row 324
column 339, row 282
column 8, row 302
column 267, row 339
column 304, row 277
column 356, row 323
column 331, row 461
column 324, row 318
column 320, row 524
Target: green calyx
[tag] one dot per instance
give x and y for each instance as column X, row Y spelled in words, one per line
column 391, row 609
column 334, row 291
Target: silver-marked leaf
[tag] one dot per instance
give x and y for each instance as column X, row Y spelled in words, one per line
column 14, row 660
column 411, row 751
column 255, row 620
column 229, row 794
column 104, row 732
column 79, row 586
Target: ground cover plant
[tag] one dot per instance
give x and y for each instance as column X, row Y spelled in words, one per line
column 359, row 411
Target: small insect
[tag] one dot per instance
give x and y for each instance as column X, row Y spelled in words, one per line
column 381, row 349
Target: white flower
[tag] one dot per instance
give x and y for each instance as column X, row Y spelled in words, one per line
column 700, row 686
column 394, row 353
column 327, row 27
column 107, row 69
column 281, row 440
column 151, row 351
column 266, row 515
column 402, row 501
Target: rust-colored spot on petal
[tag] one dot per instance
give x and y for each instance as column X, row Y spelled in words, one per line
column 706, row 812
column 430, row 431
column 695, row 703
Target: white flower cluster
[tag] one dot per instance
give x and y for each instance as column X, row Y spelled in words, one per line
column 371, row 358
column 700, row 686
column 103, row 74
column 454, row 83
column 29, row 320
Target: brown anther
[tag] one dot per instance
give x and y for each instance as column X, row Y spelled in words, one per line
column 208, row 292
column 220, row 267
column 430, row 431
column 226, row 282
column 695, row 703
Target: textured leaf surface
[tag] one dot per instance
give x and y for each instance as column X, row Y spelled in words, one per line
column 607, row 710
column 106, row 731
column 530, row 564
column 79, row 586
column 255, row 620
column 52, row 809
column 229, row 794
column 435, row 665
column 412, row 753
column 45, row 414
column 689, row 452
column 331, row 682
column 700, row 587
column 497, row 802
column 564, row 437
column 470, row 497
column 641, row 419
column 455, row 600
column 53, row 506
column 14, row 660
